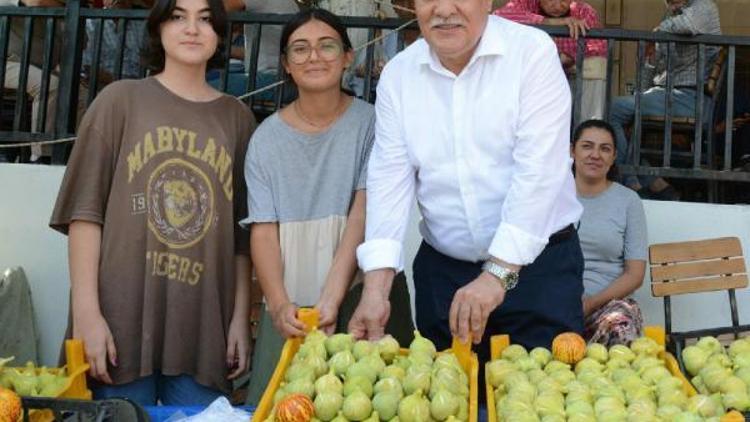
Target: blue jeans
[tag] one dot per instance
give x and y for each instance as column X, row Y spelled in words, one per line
column 180, row 390
column 652, row 104
column 237, row 82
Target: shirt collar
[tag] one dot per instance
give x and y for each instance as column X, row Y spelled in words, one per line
column 492, row 43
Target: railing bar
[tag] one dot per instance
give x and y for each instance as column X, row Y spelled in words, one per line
column 608, row 81
column 700, row 72
column 70, row 69
column 224, row 73
column 41, row 122
column 369, row 59
column 122, row 27
column 96, row 58
column 732, row 59
column 577, row 105
column 4, row 28
column 279, row 91
column 637, row 122
column 668, row 107
column 252, row 70
column 23, row 74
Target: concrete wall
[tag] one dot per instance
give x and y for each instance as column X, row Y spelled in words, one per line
column 29, row 192
column 27, row 195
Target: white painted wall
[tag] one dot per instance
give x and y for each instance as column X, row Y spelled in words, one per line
column 27, row 195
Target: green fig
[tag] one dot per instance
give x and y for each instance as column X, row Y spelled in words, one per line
column 444, row 404
column 358, row 383
column 318, row 365
column 389, row 385
column 300, row 371
column 361, row 368
column 374, row 361
column 315, row 336
column 362, row 348
column 386, row 404
column 302, row 386
column 416, row 380
column 341, row 361
column 357, row 406
column 338, row 343
column 422, row 345
column 414, row 408
column 329, row 383
column 393, row 371
column 327, row 405
column 388, row 348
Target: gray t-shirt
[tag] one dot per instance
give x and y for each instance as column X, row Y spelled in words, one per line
column 293, row 176
column 613, row 230
column 306, row 184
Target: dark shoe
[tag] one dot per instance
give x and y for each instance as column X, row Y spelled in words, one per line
column 644, row 193
column 667, row 194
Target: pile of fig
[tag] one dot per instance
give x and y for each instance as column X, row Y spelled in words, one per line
column 350, row 380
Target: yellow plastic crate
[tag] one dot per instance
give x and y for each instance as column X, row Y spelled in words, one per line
column 75, row 386
column 498, row 343
column 309, row 317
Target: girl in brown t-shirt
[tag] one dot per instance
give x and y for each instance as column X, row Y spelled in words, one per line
column 150, row 201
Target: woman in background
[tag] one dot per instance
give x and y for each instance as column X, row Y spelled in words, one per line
column 613, row 238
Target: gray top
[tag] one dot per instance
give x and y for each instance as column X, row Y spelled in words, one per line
column 698, row 17
column 613, row 229
column 293, row 176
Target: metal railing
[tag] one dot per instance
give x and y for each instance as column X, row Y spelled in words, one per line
column 74, row 16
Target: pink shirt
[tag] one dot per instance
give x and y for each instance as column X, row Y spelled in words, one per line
column 529, row 12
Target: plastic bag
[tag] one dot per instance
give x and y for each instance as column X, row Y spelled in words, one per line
column 219, row 411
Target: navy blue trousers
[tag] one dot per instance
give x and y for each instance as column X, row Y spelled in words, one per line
column 546, row 301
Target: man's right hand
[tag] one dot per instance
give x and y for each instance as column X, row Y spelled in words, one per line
column 98, row 344
column 374, row 309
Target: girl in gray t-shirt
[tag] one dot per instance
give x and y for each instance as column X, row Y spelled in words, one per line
column 613, row 238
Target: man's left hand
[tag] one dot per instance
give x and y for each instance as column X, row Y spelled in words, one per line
column 472, row 305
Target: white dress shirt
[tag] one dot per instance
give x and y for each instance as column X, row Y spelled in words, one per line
column 487, row 152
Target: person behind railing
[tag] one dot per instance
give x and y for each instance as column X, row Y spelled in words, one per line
column 306, row 173
column 613, row 238
column 474, row 120
column 268, row 53
column 35, row 74
column 135, row 31
column 150, row 201
column 579, row 17
column 383, row 50
column 683, row 17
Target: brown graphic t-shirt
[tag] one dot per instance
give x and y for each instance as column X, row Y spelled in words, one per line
column 163, row 175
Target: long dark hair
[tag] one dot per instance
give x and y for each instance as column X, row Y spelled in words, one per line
column 613, row 174
column 154, row 56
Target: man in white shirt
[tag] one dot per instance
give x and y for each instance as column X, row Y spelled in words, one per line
column 475, row 120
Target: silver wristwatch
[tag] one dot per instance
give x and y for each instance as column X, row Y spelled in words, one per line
column 507, row 278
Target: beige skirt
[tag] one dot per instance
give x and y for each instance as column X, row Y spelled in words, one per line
column 307, row 251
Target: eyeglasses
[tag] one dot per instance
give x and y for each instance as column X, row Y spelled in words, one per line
column 300, row 52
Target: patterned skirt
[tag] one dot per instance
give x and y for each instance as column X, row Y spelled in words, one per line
column 617, row 322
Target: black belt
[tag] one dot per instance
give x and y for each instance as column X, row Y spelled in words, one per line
column 563, row 234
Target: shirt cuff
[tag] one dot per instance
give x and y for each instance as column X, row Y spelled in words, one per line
column 377, row 254
column 516, row 246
